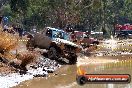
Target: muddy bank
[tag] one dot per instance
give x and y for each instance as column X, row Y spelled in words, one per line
column 5, row 69
column 41, row 68
column 64, row 75
column 67, row 80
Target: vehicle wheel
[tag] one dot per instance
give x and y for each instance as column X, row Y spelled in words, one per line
column 72, row 59
column 95, row 44
column 123, row 37
column 120, row 38
column 52, row 53
column 81, row 80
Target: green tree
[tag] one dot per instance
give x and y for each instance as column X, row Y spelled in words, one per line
column 91, row 14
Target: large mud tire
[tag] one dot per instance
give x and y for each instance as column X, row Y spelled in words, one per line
column 52, row 53
column 95, row 43
column 72, row 59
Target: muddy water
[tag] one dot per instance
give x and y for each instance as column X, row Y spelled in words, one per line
column 65, row 77
column 125, row 45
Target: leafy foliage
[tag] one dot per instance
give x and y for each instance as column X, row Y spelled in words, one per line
column 91, row 14
column 19, row 6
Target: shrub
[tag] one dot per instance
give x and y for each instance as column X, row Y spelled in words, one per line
column 7, row 42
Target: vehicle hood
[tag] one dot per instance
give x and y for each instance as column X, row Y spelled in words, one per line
column 66, row 42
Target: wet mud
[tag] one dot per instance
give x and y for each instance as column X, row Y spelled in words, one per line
column 107, row 59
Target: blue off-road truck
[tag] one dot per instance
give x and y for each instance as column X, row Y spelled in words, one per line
column 57, row 43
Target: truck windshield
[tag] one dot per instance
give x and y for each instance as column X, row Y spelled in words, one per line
column 60, row 34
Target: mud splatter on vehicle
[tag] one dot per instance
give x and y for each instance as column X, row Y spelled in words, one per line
column 57, row 43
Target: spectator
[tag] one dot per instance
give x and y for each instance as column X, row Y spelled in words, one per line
column 5, row 28
column 1, row 23
column 1, row 19
column 11, row 30
column 20, row 31
column 14, row 28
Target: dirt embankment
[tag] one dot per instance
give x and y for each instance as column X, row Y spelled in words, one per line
column 16, row 60
column 13, row 53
